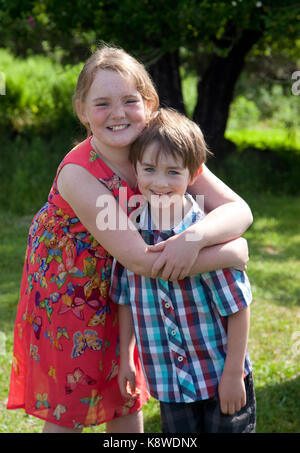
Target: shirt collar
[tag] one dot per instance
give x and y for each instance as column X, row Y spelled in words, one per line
column 144, row 222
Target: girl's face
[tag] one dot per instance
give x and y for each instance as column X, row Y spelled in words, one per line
column 115, row 110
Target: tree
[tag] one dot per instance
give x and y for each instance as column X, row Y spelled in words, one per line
column 218, row 35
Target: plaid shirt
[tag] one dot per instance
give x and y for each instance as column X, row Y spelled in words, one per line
column 180, row 327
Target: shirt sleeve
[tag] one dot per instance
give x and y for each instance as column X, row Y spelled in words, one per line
column 229, row 289
column 119, row 288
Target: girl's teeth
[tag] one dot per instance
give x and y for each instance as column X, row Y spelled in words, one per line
column 118, row 128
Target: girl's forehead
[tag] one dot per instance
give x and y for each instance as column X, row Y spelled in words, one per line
column 110, row 80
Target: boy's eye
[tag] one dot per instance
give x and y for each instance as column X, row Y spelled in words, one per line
column 173, row 172
column 149, row 169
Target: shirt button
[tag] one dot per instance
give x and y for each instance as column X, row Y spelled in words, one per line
column 167, row 305
column 173, row 332
column 180, row 358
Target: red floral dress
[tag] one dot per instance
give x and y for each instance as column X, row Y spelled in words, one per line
column 66, row 343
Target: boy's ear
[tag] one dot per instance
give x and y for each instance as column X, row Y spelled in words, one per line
column 192, row 180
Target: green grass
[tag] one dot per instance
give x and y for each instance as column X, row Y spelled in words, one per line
column 274, row 267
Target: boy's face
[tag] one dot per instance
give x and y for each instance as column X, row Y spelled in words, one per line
column 166, row 177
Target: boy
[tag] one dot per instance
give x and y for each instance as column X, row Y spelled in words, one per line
column 191, row 334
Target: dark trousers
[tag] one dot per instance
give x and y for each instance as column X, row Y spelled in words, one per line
column 205, row 416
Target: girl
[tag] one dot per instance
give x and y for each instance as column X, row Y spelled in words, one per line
column 66, row 346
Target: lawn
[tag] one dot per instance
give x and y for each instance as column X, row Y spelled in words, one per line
column 274, row 268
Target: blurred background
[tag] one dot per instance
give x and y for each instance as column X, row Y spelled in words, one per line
column 231, row 66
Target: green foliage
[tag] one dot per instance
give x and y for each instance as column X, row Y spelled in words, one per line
column 27, row 171
column 38, row 96
column 243, row 114
column 145, row 27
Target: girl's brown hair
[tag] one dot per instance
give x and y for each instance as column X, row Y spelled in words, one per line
column 114, row 59
column 175, row 134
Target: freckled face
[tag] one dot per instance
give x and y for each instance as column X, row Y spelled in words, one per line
column 114, row 109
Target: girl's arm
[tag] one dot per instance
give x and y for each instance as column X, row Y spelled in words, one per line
column 230, row 254
column 228, row 216
column 84, row 192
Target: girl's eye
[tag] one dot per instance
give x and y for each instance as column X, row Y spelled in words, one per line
column 131, row 101
column 103, row 104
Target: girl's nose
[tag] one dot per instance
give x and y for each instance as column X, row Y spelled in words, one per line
column 118, row 111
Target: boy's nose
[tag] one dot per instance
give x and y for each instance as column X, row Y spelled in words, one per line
column 161, row 183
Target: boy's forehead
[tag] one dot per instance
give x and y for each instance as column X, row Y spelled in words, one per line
column 154, row 153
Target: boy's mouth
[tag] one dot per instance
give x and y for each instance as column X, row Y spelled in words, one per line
column 160, row 194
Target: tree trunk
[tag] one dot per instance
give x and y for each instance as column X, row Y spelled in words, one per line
column 165, row 74
column 216, row 90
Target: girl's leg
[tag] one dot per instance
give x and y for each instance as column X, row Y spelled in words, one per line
column 53, row 428
column 132, row 423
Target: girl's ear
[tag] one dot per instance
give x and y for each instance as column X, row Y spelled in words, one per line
column 148, row 109
column 81, row 113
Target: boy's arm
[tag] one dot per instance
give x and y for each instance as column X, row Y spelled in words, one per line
column 231, row 386
column 126, row 373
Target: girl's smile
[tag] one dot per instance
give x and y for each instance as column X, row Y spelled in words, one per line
column 115, row 111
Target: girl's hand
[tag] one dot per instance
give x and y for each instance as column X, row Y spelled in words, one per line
column 126, row 380
column 178, row 254
column 232, row 393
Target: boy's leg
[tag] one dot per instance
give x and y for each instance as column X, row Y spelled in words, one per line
column 242, row 421
column 181, row 417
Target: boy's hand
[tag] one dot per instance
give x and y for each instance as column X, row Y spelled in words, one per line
column 126, row 380
column 232, row 394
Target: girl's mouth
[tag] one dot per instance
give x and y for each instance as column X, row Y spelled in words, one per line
column 118, row 127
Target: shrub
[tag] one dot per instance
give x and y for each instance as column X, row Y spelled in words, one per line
column 38, row 98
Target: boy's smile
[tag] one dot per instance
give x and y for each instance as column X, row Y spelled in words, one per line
column 162, row 180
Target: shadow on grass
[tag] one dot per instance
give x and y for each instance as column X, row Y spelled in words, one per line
column 278, row 407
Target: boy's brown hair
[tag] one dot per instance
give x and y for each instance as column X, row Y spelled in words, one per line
column 175, row 134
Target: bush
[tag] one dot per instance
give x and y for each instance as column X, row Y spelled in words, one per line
column 243, row 113
column 38, row 98
column 27, row 171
